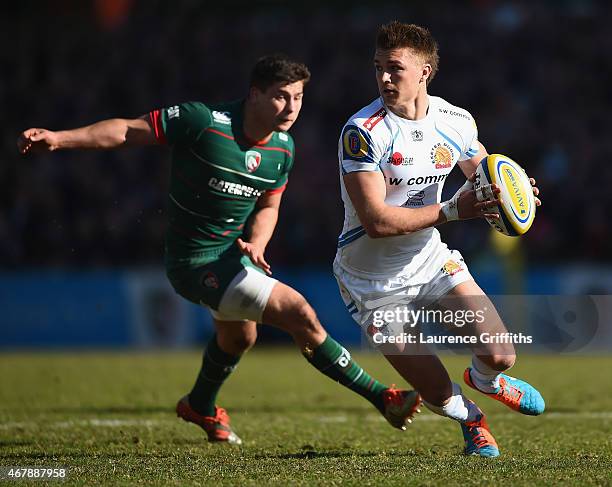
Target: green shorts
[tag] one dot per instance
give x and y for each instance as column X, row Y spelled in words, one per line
column 230, row 285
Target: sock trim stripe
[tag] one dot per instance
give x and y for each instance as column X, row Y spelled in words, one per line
column 356, row 378
column 207, row 357
column 209, row 379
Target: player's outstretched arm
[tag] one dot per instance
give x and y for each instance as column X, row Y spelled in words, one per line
column 107, row 134
column 367, row 191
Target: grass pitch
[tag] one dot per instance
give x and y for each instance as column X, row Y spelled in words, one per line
column 109, row 418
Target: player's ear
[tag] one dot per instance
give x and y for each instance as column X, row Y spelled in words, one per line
column 254, row 93
column 425, row 73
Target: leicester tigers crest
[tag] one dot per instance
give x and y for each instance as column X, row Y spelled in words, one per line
column 252, row 160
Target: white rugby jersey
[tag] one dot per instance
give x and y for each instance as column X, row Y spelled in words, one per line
column 415, row 157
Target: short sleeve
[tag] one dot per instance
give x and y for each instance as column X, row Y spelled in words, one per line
column 471, row 142
column 357, row 151
column 289, row 150
column 180, row 124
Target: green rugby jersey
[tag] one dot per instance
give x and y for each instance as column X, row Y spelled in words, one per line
column 216, row 177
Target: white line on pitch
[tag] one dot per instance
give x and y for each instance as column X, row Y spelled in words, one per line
column 337, row 418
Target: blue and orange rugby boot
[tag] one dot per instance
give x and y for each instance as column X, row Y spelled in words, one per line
column 514, row 393
column 478, row 438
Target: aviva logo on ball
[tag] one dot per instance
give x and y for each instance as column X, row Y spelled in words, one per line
column 517, row 210
column 517, row 191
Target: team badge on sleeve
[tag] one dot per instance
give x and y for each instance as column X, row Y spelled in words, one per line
column 355, row 143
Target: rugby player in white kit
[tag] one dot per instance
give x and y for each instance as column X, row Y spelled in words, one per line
column 395, row 155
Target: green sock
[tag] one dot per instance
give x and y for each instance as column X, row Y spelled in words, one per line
column 335, row 362
column 217, row 365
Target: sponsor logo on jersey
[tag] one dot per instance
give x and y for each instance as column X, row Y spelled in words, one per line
column 355, row 144
column 442, row 155
column 397, row 159
column 452, row 267
column 252, row 160
column 371, row 122
column 174, row 112
column 234, row 188
column 415, row 198
column 283, row 137
column 222, row 117
column 210, row 280
column 417, row 135
column 454, row 113
column 430, row 179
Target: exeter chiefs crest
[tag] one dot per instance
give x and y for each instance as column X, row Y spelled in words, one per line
column 252, row 160
column 442, row 155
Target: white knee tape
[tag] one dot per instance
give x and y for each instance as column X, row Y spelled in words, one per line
column 246, row 296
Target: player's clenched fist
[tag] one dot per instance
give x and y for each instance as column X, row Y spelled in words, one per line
column 37, row 140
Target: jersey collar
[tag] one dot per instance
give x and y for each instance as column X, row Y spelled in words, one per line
column 396, row 118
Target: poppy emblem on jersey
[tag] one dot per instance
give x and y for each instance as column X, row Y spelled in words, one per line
column 210, row 280
column 452, row 267
column 252, row 160
column 442, row 156
column 354, row 144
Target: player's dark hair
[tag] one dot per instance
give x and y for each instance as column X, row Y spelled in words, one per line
column 396, row 34
column 277, row 68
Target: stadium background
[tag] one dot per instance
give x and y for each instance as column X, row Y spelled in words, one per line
column 81, row 233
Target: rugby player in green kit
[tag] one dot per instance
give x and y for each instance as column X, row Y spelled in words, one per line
column 230, row 164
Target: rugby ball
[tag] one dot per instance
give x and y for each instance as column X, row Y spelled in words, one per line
column 518, row 207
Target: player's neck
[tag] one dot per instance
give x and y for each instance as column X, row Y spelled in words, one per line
column 253, row 130
column 415, row 109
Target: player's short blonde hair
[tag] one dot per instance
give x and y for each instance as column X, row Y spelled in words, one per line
column 397, row 34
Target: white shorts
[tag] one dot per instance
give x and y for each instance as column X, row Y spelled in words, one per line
column 442, row 271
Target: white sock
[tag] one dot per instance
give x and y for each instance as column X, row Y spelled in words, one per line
column 484, row 377
column 459, row 407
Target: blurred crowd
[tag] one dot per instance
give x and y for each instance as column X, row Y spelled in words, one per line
column 535, row 75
